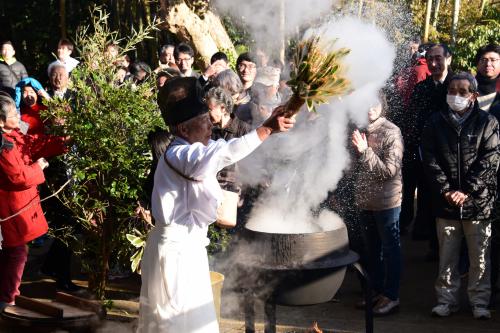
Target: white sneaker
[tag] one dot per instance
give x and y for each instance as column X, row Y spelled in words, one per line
column 444, row 310
column 385, row 306
column 481, row 312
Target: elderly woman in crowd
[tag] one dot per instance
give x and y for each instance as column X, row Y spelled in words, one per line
column 226, row 126
column 140, row 72
column 220, row 110
column 243, row 106
column 22, row 160
column 378, row 193
column 176, row 294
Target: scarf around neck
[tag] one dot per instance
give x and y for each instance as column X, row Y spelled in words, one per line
column 486, row 85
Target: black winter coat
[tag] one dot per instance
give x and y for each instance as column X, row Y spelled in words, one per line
column 427, row 98
column 10, row 75
column 472, row 145
column 495, row 106
column 236, row 128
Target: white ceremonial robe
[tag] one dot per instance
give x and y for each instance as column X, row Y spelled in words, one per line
column 176, row 293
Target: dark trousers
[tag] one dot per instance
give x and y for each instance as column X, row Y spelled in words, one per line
column 381, row 231
column 409, row 173
column 424, row 227
column 12, row 261
column 58, row 260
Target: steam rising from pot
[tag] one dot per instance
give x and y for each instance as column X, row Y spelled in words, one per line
column 302, row 166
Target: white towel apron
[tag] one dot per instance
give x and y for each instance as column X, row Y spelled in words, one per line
column 176, row 293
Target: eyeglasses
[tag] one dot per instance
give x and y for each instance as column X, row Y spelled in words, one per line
column 184, row 60
column 487, row 60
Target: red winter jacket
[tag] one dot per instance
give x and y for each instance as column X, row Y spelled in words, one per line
column 19, row 177
column 409, row 77
column 31, row 115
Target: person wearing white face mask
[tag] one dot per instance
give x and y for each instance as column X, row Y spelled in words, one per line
column 460, row 156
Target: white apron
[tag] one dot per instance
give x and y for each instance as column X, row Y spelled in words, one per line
column 176, row 293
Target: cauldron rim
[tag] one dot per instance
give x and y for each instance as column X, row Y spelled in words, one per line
column 327, row 255
column 295, row 233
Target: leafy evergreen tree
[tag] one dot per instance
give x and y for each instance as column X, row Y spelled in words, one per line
column 110, row 157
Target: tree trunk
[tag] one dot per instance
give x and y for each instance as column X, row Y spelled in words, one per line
column 454, row 25
column 427, row 21
column 206, row 35
column 152, row 47
column 373, row 11
column 282, row 31
column 436, row 13
column 62, row 17
column 360, row 8
column 98, row 274
column 483, row 4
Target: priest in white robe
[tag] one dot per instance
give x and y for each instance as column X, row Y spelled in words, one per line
column 176, row 293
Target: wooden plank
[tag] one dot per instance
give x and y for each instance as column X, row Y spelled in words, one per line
column 20, row 312
column 40, row 307
column 70, row 312
column 81, row 303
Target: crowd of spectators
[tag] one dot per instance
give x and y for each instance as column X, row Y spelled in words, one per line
column 433, row 133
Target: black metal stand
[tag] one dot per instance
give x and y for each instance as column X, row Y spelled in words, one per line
column 248, row 304
column 270, row 316
column 367, row 291
column 270, row 306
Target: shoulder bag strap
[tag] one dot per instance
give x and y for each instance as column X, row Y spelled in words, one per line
column 175, row 170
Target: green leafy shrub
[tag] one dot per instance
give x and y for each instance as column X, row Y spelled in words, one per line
column 486, row 31
column 219, row 239
column 238, row 33
column 110, row 156
column 475, row 29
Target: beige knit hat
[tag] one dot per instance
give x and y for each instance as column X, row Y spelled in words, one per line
column 268, row 76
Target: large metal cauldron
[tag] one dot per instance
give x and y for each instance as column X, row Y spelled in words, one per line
column 297, row 269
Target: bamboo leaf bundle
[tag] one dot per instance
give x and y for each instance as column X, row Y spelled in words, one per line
column 316, row 76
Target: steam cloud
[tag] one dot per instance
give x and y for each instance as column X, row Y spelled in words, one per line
column 308, row 162
column 302, row 166
column 263, row 16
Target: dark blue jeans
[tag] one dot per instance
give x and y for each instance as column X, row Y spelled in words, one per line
column 381, row 229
